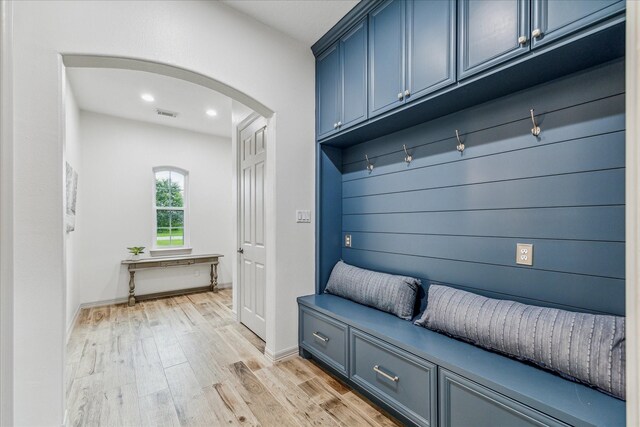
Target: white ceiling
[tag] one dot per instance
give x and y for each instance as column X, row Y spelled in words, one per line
column 303, row 20
column 117, row 93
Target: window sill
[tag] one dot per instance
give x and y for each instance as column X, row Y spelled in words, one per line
column 169, row 252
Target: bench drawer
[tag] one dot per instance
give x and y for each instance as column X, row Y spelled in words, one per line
column 325, row 338
column 402, row 380
column 464, row 403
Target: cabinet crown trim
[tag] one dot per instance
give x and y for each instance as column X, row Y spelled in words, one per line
column 359, row 11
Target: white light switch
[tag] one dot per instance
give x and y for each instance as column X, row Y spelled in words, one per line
column 347, row 240
column 524, row 254
column 303, row 216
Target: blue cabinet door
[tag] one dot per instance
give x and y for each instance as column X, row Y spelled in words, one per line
column 386, row 56
column 464, row 403
column 328, row 83
column 553, row 19
column 490, row 32
column 401, row 380
column 431, row 47
column 325, row 338
column 353, row 59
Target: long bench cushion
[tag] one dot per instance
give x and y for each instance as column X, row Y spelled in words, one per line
column 582, row 347
column 386, row 292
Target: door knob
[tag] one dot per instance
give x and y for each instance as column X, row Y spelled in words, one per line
column 240, row 251
column 522, row 40
column 536, row 33
column 335, row 126
column 407, row 93
column 400, row 96
column 339, row 124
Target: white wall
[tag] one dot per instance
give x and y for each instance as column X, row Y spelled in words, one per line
column 118, row 157
column 205, row 37
column 6, row 217
column 73, row 157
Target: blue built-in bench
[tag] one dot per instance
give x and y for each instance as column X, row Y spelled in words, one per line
column 396, row 81
column 429, row 379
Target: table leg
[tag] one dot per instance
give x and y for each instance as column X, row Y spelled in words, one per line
column 214, row 277
column 132, row 288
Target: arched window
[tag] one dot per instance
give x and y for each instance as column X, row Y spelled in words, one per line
column 171, row 197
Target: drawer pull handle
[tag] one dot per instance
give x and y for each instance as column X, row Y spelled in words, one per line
column 177, row 263
column 384, row 374
column 320, row 337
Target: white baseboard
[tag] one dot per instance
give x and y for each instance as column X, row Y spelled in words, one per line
column 73, row 322
column 104, row 302
column 280, row 355
column 125, row 299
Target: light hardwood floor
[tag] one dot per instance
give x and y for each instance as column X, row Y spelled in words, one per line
column 186, row 361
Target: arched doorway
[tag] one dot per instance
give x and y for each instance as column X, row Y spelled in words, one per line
column 103, row 62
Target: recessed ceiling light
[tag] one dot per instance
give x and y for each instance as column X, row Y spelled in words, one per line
column 212, row 113
column 147, row 97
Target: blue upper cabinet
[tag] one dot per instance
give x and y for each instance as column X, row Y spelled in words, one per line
column 411, row 51
column 490, row 32
column 553, row 19
column 353, row 60
column 386, row 56
column 341, row 79
column 431, row 47
column 328, row 84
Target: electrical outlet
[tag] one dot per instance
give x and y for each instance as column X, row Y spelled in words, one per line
column 303, row 216
column 524, row 253
column 347, row 240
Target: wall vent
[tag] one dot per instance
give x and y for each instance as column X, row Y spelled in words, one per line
column 166, row 113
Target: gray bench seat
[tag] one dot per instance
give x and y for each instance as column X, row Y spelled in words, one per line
column 567, row 401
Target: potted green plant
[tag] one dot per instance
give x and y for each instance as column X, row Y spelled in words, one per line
column 135, row 252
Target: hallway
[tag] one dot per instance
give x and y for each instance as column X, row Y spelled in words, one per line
column 185, row 361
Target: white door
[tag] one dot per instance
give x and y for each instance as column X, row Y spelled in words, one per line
column 252, row 144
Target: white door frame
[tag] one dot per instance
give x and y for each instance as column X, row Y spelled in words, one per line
column 238, row 188
column 6, row 214
column 632, row 216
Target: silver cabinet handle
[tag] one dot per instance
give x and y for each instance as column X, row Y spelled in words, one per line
column 335, row 125
column 522, row 40
column 339, row 124
column 407, row 93
column 320, row 337
column 400, row 96
column 536, row 33
column 395, row 379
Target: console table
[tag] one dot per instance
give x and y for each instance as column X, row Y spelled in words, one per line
column 174, row 261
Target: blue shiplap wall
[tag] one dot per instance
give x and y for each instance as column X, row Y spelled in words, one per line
column 455, row 219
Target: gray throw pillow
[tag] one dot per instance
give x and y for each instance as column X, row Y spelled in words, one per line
column 386, row 292
column 583, row 347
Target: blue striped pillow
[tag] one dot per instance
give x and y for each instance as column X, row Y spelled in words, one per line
column 386, row 292
column 582, row 347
